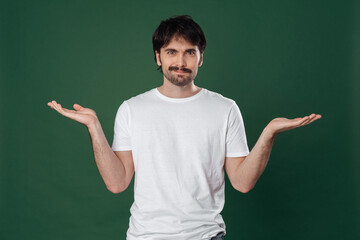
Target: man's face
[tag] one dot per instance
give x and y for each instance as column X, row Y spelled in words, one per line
column 179, row 61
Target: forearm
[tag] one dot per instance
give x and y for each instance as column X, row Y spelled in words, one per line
column 110, row 166
column 250, row 170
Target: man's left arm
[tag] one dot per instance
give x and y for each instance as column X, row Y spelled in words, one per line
column 244, row 172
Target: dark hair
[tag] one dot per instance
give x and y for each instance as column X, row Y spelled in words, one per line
column 183, row 26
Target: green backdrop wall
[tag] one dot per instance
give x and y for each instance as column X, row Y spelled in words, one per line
column 274, row 58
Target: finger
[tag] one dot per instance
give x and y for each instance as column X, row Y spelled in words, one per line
column 60, row 109
column 77, row 107
column 50, row 105
column 311, row 116
column 315, row 118
column 312, row 120
column 55, row 105
column 298, row 120
column 304, row 120
column 66, row 112
column 307, row 120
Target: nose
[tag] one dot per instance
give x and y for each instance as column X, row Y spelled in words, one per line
column 181, row 61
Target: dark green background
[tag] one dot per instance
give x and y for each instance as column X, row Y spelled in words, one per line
column 274, row 58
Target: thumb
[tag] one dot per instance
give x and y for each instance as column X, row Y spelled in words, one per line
column 77, row 107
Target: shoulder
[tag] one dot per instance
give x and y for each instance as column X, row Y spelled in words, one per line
column 218, row 99
column 141, row 98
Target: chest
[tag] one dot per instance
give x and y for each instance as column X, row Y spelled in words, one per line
column 178, row 125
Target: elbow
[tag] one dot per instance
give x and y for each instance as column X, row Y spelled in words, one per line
column 116, row 189
column 244, row 189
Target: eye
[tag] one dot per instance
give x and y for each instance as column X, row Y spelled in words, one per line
column 191, row 53
column 171, row 52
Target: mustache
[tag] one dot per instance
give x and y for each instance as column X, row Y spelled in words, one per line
column 181, row 69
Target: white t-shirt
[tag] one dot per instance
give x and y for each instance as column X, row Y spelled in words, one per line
column 179, row 147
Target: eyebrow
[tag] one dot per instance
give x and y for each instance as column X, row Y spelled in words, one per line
column 187, row 50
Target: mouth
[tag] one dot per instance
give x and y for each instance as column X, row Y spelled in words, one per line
column 180, row 72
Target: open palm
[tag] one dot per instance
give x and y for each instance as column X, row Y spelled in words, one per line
column 278, row 125
column 82, row 115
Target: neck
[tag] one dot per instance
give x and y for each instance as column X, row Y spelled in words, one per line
column 170, row 90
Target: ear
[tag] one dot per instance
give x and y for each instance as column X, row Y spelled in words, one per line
column 158, row 60
column 201, row 59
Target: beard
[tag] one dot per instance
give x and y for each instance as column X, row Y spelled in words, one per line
column 179, row 79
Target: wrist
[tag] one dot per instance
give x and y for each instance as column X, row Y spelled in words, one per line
column 94, row 125
column 269, row 132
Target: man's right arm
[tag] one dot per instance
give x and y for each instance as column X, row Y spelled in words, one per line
column 116, row 168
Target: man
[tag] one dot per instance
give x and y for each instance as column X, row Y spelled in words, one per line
column 178, row 138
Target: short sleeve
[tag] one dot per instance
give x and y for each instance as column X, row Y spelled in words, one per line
column 236, row 143
column 122, row 138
